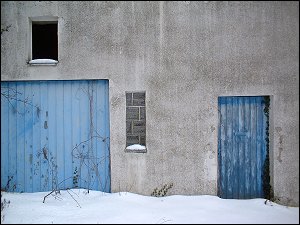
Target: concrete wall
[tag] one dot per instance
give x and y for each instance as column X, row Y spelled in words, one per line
column 184, row 55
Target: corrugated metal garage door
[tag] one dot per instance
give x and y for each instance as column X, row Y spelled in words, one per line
column 55, row 134
column 242, row 147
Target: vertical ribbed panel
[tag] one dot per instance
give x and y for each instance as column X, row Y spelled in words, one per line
column 242, row 147
column 55, row 134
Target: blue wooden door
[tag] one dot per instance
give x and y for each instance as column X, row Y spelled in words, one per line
column 241, row 147
column 55, row 134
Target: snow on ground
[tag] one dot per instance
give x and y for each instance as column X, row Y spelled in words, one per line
column 125, row 207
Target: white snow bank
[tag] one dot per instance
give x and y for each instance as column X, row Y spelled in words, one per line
column 136, row 147
column 124, row 207
column 43, row 61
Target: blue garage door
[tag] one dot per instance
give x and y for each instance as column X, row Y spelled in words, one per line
column 55, row 134
column 242, row 147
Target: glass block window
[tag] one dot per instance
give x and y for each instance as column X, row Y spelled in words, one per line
column 135, row 118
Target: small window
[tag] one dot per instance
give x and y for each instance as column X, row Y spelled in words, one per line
column 135, row 122
column 44, row 40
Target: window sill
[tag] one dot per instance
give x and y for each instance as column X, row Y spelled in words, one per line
column 43, row 62
column 136, row 149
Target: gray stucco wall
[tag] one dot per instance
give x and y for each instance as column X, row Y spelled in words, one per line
column 184, row 55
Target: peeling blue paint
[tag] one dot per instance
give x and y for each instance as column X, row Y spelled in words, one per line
column 43, row 125
column 241, row 147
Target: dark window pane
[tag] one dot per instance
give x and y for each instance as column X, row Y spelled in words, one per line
column 44, row 41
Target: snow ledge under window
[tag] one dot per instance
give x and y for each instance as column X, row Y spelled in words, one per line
column 43, row 62
column 136, row 148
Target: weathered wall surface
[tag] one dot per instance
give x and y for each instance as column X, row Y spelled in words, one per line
column 184, row 55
